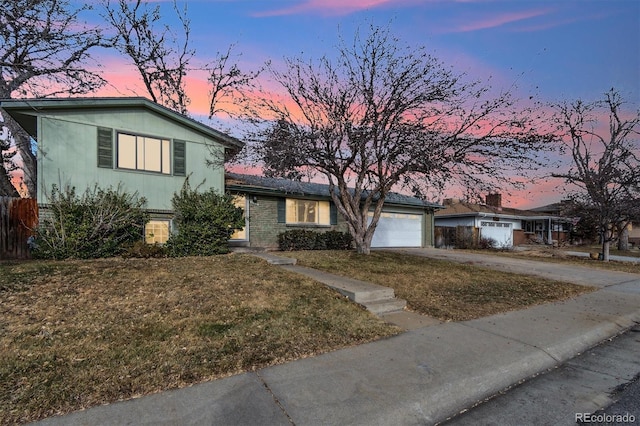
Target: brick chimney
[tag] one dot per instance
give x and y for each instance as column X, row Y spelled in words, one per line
column 494, row 200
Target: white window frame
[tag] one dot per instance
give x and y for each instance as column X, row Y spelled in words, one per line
column 321, row 212
column 162, row 234
column 137, row 152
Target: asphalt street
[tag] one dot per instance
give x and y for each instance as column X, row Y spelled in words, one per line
column 628, row 402
column 606, row 375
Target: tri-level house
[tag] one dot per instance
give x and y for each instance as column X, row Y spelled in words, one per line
column 131, row 142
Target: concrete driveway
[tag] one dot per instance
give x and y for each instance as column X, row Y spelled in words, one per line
column 576, row 274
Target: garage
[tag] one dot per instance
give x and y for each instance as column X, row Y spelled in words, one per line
column 398, row 230
column 500, row 232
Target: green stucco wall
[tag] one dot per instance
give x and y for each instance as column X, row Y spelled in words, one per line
column 67, row 154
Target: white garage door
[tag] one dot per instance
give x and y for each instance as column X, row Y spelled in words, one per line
column 500, row 232
column 398, row 230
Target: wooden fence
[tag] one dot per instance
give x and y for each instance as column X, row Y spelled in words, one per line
column 456, row 236
column 18, row 220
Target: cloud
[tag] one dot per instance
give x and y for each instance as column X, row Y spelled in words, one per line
column 499, row 20
column 331, row 7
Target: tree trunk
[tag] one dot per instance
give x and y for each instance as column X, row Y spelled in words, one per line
column 363, row 249
column 362, row 245
column 6, row 187
column 29, row 163
column 605, row 250
column 623, row 239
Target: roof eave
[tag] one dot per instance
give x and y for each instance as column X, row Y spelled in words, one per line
column 25, row 106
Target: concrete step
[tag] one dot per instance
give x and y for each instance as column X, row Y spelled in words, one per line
column 376, row 298
column 368, row 296
column 385, row 306
column 358, row 291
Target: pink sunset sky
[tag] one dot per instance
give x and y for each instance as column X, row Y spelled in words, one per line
column 553, row 50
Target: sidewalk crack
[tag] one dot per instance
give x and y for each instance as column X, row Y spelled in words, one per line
column 514, row 340
column 275, row 398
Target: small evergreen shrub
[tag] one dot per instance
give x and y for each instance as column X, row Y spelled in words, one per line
column 297, row 239
column 98, row 223
column 336, row 240
column 303, row 239
column 205, row 221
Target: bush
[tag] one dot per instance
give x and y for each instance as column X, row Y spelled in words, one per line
column 205, row 222
column 141, row 249
column 297, row 239
column 336, row 240
column 487, row 243
column 303, row 239
column 100, row 223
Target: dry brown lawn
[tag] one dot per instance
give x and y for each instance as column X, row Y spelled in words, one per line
column 75, row 334
column 444, row 290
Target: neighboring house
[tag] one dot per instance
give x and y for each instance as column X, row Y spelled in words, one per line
column 634, row 234
column 131, row 142
column 506, row 226
column 273, row 206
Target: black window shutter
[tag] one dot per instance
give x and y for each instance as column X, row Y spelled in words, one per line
column 105, row 147
column 282, row 210
column 179, row 158
column 333, row 213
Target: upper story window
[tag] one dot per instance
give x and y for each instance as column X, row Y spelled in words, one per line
column 136, row 152
column 144, row 153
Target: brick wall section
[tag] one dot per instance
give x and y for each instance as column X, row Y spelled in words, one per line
column 264, row 227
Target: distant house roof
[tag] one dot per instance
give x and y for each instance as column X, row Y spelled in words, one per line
column 554, row 208
column 24, row 111
column 261, row 184
column 463, row 208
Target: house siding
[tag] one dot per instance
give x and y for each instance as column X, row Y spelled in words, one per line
column 68, row 152
column 264, row 227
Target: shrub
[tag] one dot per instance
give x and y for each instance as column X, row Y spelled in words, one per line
column 99, row 223
column 303, row 239
column 297, row 239
column 487, row 243
column 205, row 221
column 141, row 249
column 336, row 240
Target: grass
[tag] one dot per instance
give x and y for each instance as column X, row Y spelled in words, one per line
column 76, row 334
column 444, row 290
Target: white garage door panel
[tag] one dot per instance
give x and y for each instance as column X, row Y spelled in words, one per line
column 398, row 230
column 500, row 232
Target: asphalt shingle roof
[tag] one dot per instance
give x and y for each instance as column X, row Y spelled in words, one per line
column 287, row 186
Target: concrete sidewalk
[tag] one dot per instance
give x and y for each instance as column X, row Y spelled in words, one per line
column 422, row 376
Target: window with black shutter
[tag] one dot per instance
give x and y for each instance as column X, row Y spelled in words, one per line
column 179, row 158
column 105, row 147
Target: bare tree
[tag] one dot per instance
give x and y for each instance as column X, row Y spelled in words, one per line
column 228, row 82
column 161, row 57
column 7, row 161
column 44, row 51
column 384, row 115
column 605, row 163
